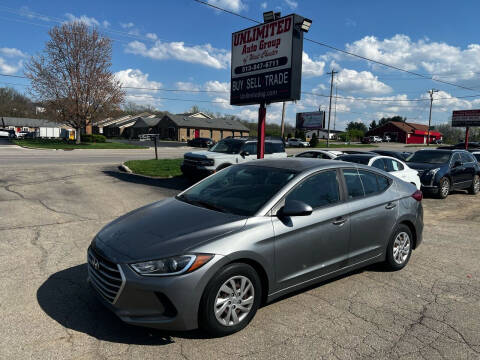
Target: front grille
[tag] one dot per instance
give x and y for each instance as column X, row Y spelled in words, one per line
column 190, row 161
column 105, row 276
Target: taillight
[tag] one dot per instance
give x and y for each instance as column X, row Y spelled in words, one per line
column 417, row 195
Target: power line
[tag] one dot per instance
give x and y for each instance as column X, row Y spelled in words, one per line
column 344, row 51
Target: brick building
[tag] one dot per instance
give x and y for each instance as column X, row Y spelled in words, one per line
column 405, row 132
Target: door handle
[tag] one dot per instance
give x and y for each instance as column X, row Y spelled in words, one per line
column 390, row 206
column 339, row 221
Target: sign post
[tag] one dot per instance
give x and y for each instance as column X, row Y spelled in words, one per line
column 267, row 65
column 466, row 118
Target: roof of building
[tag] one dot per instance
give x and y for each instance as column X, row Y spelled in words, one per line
column 409, row 127
column 216, row 123
column 28, row 122
column 144, row 122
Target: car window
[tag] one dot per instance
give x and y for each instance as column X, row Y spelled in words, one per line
column 477, row 156
column 383, row 183
column 455, row 158
column 369, row 181
column 466, row 158
column 379, row 164
column 250, row 147
column 354, row 184
column 308, row 154
column 274, row 147
column 318, row 190
column 393, row 165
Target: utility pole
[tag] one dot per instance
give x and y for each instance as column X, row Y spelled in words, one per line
column 283, row 121
column 430, row 115
column 335, row 107
column 330, row 107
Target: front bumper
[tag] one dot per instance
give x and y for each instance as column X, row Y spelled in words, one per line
column 164, row 302
column 195, row 170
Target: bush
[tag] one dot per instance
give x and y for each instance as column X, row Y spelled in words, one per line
column 314, row 140
column 93, row 138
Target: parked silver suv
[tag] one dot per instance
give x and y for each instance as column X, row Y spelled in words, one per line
column 227, row 152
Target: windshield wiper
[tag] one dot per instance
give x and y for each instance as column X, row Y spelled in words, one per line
column 201, row 203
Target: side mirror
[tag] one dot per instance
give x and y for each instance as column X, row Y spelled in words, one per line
column 295, row 208
column 457, row 164
column 244, row 153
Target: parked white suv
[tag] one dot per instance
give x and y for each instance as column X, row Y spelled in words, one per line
column 293, row 142
column 227, row 152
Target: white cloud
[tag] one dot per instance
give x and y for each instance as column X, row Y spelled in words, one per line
column 12, row 52
column 26, row 12
column 217, row 86
column 200, row 54
column 264, row 5
column 188, row 86
column 360, row 82
column 233, row 5
column 89, row 21
column 136, row 78
column 291, row 4
column 445, row 61
column 151, row 36
column 9, row 68
column 127, row 25
column 312, row 68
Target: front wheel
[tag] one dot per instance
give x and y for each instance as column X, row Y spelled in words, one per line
column 399, row 248
column 444, row 188
column 475, row 187
column 230, row 300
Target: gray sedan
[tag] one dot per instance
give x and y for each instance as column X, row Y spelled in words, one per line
column 247, row 235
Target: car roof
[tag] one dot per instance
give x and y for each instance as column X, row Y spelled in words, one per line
column 357, row 156
column 296, row 163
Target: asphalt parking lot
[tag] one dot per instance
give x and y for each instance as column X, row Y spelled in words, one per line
column 49, row 212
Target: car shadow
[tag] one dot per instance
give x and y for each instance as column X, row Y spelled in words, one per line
column 68, row 299
column 174, row 183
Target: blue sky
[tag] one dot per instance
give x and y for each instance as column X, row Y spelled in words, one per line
column 180, row 44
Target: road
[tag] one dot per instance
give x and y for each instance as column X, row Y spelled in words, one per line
column 50, row 210
column 12, row 155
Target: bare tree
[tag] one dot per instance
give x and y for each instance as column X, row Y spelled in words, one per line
column 72, row 76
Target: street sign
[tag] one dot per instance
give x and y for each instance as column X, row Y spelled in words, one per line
column 465, row 118
column 310, row 120
column 267, row 62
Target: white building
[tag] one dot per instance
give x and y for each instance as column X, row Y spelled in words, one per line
column 322, row 134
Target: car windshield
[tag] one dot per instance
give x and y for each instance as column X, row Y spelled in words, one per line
column 228, row 146
column 429, row 157
column 239, row 189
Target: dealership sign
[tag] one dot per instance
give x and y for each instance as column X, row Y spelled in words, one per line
column 267, row 62
column 463, row 118
column 310, row 120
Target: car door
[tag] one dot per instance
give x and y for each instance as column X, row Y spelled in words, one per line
column 469, row 169
column 372, row 213
column 251, row 149
column 397, row 169
column 457, row 170
column 310, row 246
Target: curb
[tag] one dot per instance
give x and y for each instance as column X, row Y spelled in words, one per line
column 125, row 168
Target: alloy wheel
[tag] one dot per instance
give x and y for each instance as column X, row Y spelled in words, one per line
column 234, row 300
column 401, row 248
column 445, row 188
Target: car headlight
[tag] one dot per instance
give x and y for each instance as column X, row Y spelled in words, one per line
column 172, row 265
column 432, row 172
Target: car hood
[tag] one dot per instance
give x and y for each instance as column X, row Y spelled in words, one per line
column 165, row 228
column 206, row 154
column 423, row 166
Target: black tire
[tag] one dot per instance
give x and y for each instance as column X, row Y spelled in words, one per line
column 475, row 187
column 207, row 319
column 392, row 260
column 444, row 184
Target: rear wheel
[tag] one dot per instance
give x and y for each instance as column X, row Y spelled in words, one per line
column 230, row 300
column 399, row 248
column 444, row 188
column 475, row 187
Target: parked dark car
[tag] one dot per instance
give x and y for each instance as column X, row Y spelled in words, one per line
column 249, row 234
column 442, row 171
column 357, row 152
column 201, row 142
column 472, row 146
column 400, row 155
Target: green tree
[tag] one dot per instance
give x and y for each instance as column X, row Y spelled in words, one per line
column 314, row 140
column 354, row 125
column 373, row 125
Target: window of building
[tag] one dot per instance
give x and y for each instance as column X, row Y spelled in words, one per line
column 211, row 134
column 221, row 134
column 188, row 132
